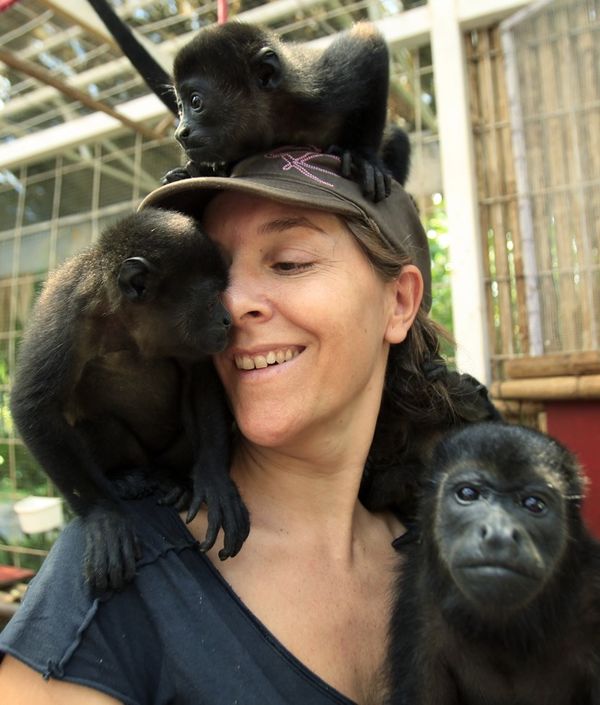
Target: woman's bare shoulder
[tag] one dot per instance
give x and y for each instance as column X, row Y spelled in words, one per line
column 21, row 685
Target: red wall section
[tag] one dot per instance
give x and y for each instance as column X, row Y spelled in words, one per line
column 576, row 424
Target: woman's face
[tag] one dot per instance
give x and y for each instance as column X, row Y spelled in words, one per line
column 311, row 321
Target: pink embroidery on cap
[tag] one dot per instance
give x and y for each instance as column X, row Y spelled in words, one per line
column 302, row 162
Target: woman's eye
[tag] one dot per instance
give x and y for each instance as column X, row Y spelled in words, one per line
column 196, row 102
column 535, row 505
column 466, row 493
column 292, row 267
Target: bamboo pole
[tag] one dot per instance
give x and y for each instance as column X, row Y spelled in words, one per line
column 44, row 76
column 554, row 365
column 546, row 388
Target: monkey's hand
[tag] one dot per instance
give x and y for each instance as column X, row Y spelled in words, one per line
column 179, row 496
column 368, row 170
column 226, row 510
column 176, row 174
column 111, row 549
column 192, row 170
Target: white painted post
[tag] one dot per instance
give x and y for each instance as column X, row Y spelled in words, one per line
column 458, row 176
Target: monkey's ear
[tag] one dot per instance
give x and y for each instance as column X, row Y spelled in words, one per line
column 268, row 68
column 135, row 278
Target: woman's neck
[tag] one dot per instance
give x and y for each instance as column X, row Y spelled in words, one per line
column 312, row 497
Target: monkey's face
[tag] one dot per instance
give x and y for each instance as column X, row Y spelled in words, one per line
column 500, row 537
column 220, row 122
column 172, row 298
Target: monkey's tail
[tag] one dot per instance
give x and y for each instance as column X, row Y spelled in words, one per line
column 156, row 78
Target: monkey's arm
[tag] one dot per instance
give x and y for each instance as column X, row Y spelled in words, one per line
column 207, row 421
column 159, row 82
column 51, row 359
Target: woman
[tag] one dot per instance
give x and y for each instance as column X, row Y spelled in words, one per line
column 323, row 284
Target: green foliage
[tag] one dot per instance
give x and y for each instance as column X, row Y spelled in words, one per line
column 436, row 226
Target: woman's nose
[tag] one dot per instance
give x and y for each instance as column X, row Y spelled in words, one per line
column 246, row 297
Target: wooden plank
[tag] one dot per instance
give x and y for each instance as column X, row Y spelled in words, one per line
column 573, row 387
column 558, row 364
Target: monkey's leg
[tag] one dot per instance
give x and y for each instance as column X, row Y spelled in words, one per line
column 111, row 545
column 207, row 419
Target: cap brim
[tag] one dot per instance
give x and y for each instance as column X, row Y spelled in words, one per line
column 313, row 180
column 191, row 195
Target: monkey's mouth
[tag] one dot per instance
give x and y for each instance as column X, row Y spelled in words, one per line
column 499, row 571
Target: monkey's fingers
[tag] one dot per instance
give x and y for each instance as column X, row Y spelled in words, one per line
column 215, row 522
column 177, row 496
column 184, row 501
column 367, row 181
column 383, row 185
column 347, row 164
column 121, row 563
column 176, row 174
column 112, row 549
column 197, row 500
column 236, row 527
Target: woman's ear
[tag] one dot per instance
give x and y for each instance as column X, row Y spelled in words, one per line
column 407, row 290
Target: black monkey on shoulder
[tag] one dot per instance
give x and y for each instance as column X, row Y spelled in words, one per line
column 114, row 376
column 240, row 90
column 499, row 598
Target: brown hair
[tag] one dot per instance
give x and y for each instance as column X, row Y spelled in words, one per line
column 421, row 396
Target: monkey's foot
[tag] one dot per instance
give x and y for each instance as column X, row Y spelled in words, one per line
column 111, row 549
column 367, row 170
column 226, row 510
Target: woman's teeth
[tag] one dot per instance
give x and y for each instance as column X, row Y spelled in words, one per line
column 274, row 357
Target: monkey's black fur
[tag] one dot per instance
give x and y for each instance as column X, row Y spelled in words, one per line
column 114, row 375
column 241, row 90
column 499, row 599
column 401, row 451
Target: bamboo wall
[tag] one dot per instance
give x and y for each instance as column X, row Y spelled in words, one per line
column 558, row 67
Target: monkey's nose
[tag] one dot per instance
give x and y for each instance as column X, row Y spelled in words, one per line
column 182, row 132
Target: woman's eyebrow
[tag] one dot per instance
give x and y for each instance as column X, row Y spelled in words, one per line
column 282, row 224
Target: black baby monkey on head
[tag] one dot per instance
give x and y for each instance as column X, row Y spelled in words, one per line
column 114, row 375
column 239, row 90
column 499, row 601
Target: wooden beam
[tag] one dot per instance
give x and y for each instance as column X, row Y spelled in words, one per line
column 554, row 365
column 548, row 388
column 44, row 76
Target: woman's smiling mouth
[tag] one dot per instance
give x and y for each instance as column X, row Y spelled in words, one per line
column 265, row 359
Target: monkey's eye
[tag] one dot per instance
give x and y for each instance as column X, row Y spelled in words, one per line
column 466, row 493
column 535, row 505
column 196, row 102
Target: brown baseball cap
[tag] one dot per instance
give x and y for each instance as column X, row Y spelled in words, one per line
column 302, row 176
